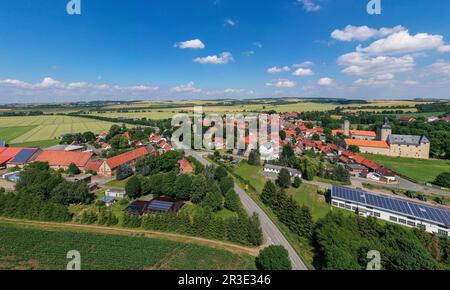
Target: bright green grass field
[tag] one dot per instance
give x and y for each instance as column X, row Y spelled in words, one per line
column 42, row 128
column 253, row 174
column 307, row 195
column 422, row 171
column 26, row 248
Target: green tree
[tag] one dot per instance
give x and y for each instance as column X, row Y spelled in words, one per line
column 183, row 187
column 199, row 188
column 283, row 135
column 133, row 187
column 214, row 200
column 287, row 152
column 168, row 183
column 73, row 169
column 297, row 182
column 341, row 174
column 273, row 258
column 268, row 193
column 226, row 183
column 255, row 234
column 220, row 173
column 284, row 178
column 232, row 201
column 254, row 158
column 124, row 171
column 443, row 180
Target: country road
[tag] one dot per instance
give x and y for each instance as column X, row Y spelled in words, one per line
column 272, row 234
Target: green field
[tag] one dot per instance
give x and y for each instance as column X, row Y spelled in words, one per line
column 307, row 195
column 422, row 171
column 26, row 248
column 43, row 128
column 253, row 174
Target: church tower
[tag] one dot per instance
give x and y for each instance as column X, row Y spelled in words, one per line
column 385, row 131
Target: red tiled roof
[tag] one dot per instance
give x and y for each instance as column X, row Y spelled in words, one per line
column 355, row 133
column 8, row 153
column 64, row 158
column 186, row 166
column 366, row 143
column 118, row 160
column 94, row 165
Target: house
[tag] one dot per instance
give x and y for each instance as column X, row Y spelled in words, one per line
column 117, row 193
column 62, row 159
column 109, row 200
column 110, row 165
column 74, row 148
column 25, row 156
column 7, row 154
column 407, row 119
column 186, row 167
column 275, row 169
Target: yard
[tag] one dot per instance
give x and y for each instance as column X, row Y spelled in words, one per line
column 43, row 249
column 307, row 195
column 28, row 130
column 422, row 171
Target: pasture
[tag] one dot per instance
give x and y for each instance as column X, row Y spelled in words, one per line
column 42, row 249
column 31, row 129
column 422, row 171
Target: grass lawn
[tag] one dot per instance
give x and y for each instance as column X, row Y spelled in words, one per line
column 251, row 173
column 422, row 171
column 40, row 144
column 27, row 248
column 10, row 133
column 307, row 195
column 119, row 184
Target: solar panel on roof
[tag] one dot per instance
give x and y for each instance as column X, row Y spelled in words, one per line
column 405, row 207
column 159, row 205
column 23, row 156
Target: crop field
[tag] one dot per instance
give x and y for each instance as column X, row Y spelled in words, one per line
column 28, row 248
column 422, row 171
column 42, row 128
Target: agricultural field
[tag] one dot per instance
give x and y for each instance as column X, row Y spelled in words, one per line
column 422, row 171
column 43, row 128
column 23, row 247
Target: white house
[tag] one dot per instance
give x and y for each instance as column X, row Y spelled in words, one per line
column 116, row 193
column 275, row 169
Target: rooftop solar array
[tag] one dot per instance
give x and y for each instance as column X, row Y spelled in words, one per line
column 23, row 156
column 159, row 205
column 411, row 209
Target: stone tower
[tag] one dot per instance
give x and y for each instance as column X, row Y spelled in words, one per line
column 385, row 131
column 347, row 128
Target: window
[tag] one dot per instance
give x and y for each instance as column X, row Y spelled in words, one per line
column 393, row 219
column 335, row 203
column 376, row 214
column 422, row 227
column 412, row 224
column 354, row 208
column 342, row 205
column 402, row 221
column 442, row 233
column 347, row 206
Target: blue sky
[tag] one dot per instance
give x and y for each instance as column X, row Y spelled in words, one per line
column 205, row 49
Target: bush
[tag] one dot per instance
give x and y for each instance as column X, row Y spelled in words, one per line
column 273, row 258
column 226, row 184
column 133, row 187
column 297, row 182
column 213, row 200
column 124, row 171
column 73, row 169
column 220, row 173
column 443, row 180
column 284, row 178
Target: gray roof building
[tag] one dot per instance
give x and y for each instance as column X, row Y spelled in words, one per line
column 408, row 140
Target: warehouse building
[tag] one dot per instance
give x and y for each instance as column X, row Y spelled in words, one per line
column 432, row 219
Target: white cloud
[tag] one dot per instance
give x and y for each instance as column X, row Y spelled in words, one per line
column 257, row 44
column 303, row 72
column 379, row 80
column 303, row 64
column 194, row 44
column 187, row 88
column 362, row 33
column 441, row 67
column 360, row 64
column 444, row 48
column 410, row 82
column 310, row 5
column 249, row 53
column 231, row 22
column 278, row 70
column 282, row 83
column 402, row 42
column 325, row 82
column 223, row 58
column 49, row 82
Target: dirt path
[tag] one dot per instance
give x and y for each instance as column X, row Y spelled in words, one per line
column 237, row 249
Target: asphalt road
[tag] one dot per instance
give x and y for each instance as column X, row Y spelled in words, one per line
column 272, row 234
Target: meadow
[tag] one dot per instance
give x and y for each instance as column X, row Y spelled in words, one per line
column 422, row 171
column 34, row 129
column 23, row 247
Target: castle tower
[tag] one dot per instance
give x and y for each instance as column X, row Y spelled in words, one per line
column 385, row 131
column 347, row 128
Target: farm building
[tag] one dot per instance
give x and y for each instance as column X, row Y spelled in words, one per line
column 275, row 169
column 137, row 207
column 16, row 156
column 116, row 193
column 66, row 148
column 395, row 210
column 7, row 154
column 109, row 166
column 62, row 159
column 164, row 204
